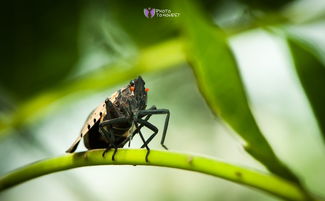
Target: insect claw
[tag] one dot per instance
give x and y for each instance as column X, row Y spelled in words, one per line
column 113, row 156
column 164, row 146
column 147, row 155
column 106, row 150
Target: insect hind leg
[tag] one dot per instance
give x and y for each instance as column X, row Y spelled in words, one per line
column 107, row 149
column 109, row 135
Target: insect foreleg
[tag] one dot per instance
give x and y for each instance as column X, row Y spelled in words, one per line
column 139, row 128
column 152, row 112
column 143, row 140
column 151, row 127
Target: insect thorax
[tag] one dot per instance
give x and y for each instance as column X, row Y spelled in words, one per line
column 128, row 102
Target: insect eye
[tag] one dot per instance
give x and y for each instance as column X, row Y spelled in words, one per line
column 132, row 83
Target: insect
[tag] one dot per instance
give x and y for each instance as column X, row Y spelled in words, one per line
column 114, row 122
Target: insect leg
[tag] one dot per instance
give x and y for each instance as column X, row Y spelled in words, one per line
column 142, row 138
column 153, row 128
column 139, row 128
column 152, row 112
column 109, row 135
column 110, row 109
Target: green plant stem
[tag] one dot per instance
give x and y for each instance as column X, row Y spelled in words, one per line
column 266, row 182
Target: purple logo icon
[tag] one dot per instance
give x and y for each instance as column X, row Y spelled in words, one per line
column 149, row 12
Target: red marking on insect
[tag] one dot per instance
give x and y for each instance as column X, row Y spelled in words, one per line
column 132, row 88
column 147, row 89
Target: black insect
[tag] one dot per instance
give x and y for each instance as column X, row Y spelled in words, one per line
column 114, row 122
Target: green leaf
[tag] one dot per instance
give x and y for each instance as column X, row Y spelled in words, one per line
column 267, row 5
column 220, row 83
column 311, row 72
column 146, row 31
column 33, row 109
column 39, row 46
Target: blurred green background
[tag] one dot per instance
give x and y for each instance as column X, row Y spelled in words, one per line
column 60, row 59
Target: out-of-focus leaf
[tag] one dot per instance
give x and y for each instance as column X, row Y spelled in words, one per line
column 149, row 60
column 38, row 45
column 311, row 72
column 267, row 5
column 219, row 80
column 144, row 31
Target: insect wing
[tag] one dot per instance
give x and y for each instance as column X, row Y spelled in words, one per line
column 94, row 117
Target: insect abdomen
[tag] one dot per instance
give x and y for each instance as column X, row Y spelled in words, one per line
column 93, row 139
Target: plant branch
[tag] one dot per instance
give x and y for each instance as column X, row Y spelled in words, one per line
column 266, row 182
